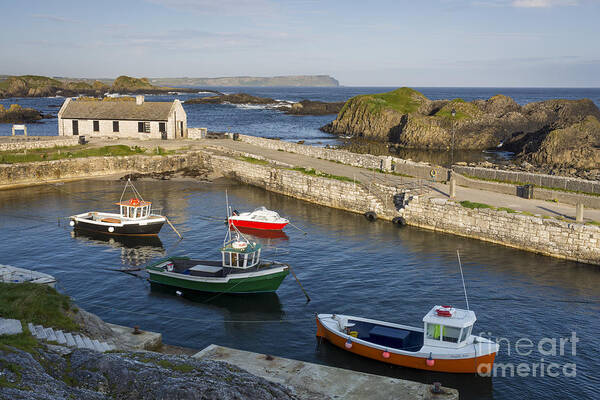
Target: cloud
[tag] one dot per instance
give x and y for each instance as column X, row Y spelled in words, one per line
column 543, row 3
column 53, row 18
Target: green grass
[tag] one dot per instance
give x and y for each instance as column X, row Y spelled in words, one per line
column 314, row 172
column 401, row 100
column 175, row 367
column 60, row 153
column 38, row 304
column 254, row 160
column 469, row 204
column 23, row 341
column 508, row 210
column 595, row 223
column 448, row 114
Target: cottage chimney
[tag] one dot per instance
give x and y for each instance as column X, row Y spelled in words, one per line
column 139, row 99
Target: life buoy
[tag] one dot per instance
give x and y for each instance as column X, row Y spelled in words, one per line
column 433, row 173
column 444, row 311
column 134, row 202
column 170, row 267
column 239, row 245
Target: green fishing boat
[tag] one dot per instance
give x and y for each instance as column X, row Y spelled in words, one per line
column 240, row 271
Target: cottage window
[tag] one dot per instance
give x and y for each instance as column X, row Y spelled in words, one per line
column 75, row 127
column 96, row 126
column 140, row 127
column 162, row 127
column 115, row 126
column 147, row 127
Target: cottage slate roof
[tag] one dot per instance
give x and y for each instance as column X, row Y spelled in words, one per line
column 118, row 110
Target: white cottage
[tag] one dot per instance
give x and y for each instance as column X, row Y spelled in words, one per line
column 123, row 118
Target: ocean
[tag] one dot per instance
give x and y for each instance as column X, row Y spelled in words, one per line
column 263, row 121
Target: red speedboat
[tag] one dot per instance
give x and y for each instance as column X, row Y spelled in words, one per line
column 261, row 218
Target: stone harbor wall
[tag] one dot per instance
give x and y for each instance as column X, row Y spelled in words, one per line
column 538, row 193
column 385, row 163
column 550, row 181
column 550, row 237
column 79, row 168
column 32, row 142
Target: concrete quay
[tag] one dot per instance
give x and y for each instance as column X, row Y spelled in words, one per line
column 314, row 381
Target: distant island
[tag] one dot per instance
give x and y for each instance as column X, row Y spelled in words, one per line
column 289, row 80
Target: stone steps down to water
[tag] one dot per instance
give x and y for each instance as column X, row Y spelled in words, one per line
column 68, row 339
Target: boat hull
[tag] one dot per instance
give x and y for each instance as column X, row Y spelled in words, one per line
column 149, row 229
column 242, row 223
column 482, row 364
column 243, row 285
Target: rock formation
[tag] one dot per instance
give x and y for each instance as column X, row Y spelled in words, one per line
column 19, row 115
column 305, row 107
column 56, row 372
column 42, row 86
column 310, row 107
column 406, row 117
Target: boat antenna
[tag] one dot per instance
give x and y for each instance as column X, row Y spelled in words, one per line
column 135, row 192
column 227, row 204
column 463, row 278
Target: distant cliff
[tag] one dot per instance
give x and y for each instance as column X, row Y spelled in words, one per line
column 553, row 132
column 290, row 80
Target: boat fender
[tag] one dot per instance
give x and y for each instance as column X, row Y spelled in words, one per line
column 348, row 344
column 111, row 229
column 371, row 216
column 72, row 223
column 399, row 221
column 170, row 267
column 430, row 361
column 385, row 354
column 433, row 173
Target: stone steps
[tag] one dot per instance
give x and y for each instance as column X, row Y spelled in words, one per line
column 68, row 339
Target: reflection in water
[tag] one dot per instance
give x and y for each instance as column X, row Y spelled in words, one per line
column 347, row 265
column 135, row 251
column 437, row 157
column 266, row 234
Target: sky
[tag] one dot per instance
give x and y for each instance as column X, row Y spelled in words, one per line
column 489, row 43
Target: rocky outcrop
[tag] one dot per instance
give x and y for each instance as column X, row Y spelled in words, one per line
column 56, row 372
column 304, row 107
column 42, row 86
column 310, row 107
column 236, row 98
column 409, row 119
column 19, row 115
column 576, row 146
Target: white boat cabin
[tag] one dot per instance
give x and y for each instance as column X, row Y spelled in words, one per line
column 240, row 254
column 449, row 327
column 135, row 209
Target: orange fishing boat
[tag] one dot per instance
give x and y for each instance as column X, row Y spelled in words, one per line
column 445, row 344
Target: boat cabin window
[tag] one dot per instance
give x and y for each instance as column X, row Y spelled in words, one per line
column 450, row 334
column 135, row 212
column 240, row 260
column 466, row 332
column 443, row 332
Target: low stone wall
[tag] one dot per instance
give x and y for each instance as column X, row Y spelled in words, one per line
column 79, row 168
column 197, row 133
column 319, row 190
column 385, row 163
column 35, row 143
column 551, row 181
column 538, row 193
column 560, row 239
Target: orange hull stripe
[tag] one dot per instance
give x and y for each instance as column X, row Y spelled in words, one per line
column 465, row 365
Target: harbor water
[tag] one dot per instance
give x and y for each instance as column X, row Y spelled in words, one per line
column 347, row 265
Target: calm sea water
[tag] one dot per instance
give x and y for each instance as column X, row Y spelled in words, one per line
column 347, row 265
column 262, row 121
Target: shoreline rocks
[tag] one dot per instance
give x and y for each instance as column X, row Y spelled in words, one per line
column 407, row 118
column 19, row 115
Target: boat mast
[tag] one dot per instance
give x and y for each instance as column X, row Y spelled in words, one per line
column 463, row 278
